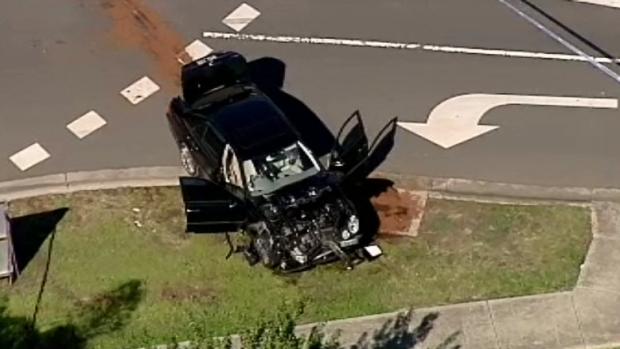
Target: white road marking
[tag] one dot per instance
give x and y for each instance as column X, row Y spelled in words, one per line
column 516, row 54
column 310, row 40
column 86, row 124
column 402, row 45
column 197, row 49
column 608, row 3
column 241, row 17
column 455, row 120
column 140, row 90
column 562, row 41
column 29, row 156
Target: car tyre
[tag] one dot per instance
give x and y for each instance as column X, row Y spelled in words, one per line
column 187, row 161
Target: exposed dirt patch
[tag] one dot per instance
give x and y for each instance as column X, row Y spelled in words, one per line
column 138, row 25
column 191, row 293
column 399, row 211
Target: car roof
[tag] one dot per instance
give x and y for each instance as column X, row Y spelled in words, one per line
column 253, row 125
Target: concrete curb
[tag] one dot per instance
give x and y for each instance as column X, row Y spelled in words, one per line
column 461, row 186
column 90, row 180
column 168, row 176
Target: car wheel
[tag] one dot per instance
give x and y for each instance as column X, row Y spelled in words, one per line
column 187, row 161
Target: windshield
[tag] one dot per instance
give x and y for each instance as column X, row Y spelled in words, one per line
column 267, row 173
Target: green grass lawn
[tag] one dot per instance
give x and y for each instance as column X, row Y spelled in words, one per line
column 121, row 261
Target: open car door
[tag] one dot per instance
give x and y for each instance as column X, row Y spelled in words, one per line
column 353, row 148
column 210, row 208
column 377, row 153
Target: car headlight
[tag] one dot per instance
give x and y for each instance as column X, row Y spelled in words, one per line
column 352, row 227
column 353, row 224
column 345, row 234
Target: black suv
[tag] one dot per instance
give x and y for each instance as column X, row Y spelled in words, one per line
column 248, row 170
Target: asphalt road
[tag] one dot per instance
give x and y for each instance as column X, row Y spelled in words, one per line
column 67, row 64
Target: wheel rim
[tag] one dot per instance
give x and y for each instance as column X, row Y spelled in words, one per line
column 187, row 161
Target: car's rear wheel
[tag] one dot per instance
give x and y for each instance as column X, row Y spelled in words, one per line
column 187, row 160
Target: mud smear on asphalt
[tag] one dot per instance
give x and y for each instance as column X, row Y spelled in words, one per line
column 137, row 25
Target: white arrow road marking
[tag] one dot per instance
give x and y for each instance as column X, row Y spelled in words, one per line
column 455, row 120
column 608, row 3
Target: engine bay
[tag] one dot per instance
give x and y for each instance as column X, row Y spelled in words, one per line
column 305, row 227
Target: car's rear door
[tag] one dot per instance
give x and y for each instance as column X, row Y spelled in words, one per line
column 208, row 148
column 210, row 208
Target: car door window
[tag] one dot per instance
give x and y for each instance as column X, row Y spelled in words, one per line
column 212, row 141
column 207, row 140
column 232, row 172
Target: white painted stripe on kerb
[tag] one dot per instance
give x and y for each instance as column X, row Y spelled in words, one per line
column 403, row 45
column 86, row 124
column 140, row 90
column 29, row 156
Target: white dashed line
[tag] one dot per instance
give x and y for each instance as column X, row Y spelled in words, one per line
column 240, row 17
column 140, row 90
column 29, row 156
column 401, row 45
column 197, row 49
column 86, row 124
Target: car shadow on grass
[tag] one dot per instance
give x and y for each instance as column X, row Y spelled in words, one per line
column 361, row 195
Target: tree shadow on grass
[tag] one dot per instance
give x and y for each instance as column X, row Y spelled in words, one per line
column 109, row 311
column 104, row 313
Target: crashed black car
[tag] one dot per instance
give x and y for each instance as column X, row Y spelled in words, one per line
column 249, row 171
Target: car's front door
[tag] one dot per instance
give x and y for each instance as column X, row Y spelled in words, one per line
column 380, row 147
column 353, row 156
column 350, row 147
column 210, row 208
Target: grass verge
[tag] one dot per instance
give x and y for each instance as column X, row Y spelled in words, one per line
column 120, row 261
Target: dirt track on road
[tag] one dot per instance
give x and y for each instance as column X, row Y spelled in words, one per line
column 137, row 25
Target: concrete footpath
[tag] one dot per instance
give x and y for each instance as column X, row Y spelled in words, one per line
column 586, row 317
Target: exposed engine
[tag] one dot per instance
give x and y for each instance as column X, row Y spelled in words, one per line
column 303, row 229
